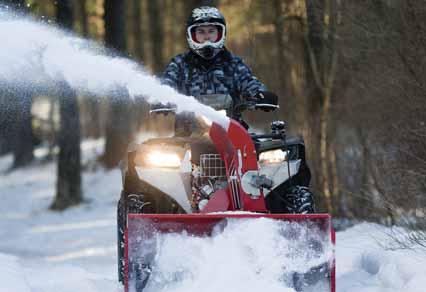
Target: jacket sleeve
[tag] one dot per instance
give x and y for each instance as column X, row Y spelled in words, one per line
column 171, row 76
column 248, row 85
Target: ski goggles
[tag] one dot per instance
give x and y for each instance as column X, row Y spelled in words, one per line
column 220, row 32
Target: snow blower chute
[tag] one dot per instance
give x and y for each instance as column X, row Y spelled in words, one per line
column 200, row 188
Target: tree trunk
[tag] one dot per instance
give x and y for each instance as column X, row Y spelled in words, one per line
column 52, row 141
column 322, row 23
column 83, row 15
column 24, row 140
column 68, row 187
column 171, row 22
column 279, row 30
column 118, row 127
column 115, row 31
column 315, row 18
column 64, row 14
column 91, row 104
column 156, row 35
column 314, row 44
column 279, row 39
column 291, row 63
column 16, row 123
column 21, row 125
column 324, row 151
column 94, row 105
column 137, row 29
column 6, row 120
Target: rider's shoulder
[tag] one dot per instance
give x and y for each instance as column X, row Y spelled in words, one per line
column 180, row 58
column 232, row 58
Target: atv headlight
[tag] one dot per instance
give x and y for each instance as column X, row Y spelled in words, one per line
column 272, row 156
column 157, row 158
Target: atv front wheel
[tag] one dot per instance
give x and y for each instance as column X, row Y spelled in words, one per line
column 139, row 204
column 128, row 203
column 299, row 200
column 291, row 200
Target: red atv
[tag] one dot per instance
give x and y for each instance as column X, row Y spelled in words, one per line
column 187, row 183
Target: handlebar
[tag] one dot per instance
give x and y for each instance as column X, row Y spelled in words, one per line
column 237, row 108
column 164, row 111
column 254, row 105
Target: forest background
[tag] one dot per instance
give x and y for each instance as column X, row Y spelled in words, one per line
column 349, row 75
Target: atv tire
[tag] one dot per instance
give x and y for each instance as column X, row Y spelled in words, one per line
column 138, row 204
column 298, row 200
column 128, row 203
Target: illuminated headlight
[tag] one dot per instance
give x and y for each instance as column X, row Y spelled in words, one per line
column 157, row 158
column 272, row 156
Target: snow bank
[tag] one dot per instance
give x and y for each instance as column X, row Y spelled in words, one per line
column 12, row 277
column 363, row 265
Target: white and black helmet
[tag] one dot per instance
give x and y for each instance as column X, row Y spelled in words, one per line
column 206, row 16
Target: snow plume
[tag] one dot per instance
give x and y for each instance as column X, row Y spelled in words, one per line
column 38, row 55
column 248, row 255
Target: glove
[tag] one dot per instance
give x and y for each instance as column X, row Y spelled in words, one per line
column 267, row 97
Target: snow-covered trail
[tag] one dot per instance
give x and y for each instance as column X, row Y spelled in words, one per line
column 43, row 251
column 365, row 266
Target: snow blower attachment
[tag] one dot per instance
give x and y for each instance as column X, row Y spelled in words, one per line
column 306, row 250
column 249, row 184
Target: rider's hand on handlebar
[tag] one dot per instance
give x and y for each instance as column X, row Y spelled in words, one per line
column 266, row 100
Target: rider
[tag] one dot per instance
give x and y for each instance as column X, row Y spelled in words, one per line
column 209, row 68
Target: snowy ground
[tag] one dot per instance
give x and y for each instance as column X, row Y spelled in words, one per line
column 43, row 251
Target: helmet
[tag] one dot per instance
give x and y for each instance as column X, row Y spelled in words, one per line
column 206, row 16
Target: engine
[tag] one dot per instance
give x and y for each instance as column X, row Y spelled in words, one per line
column 207, row 177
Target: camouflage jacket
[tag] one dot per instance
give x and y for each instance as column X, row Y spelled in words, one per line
column 226, row 74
